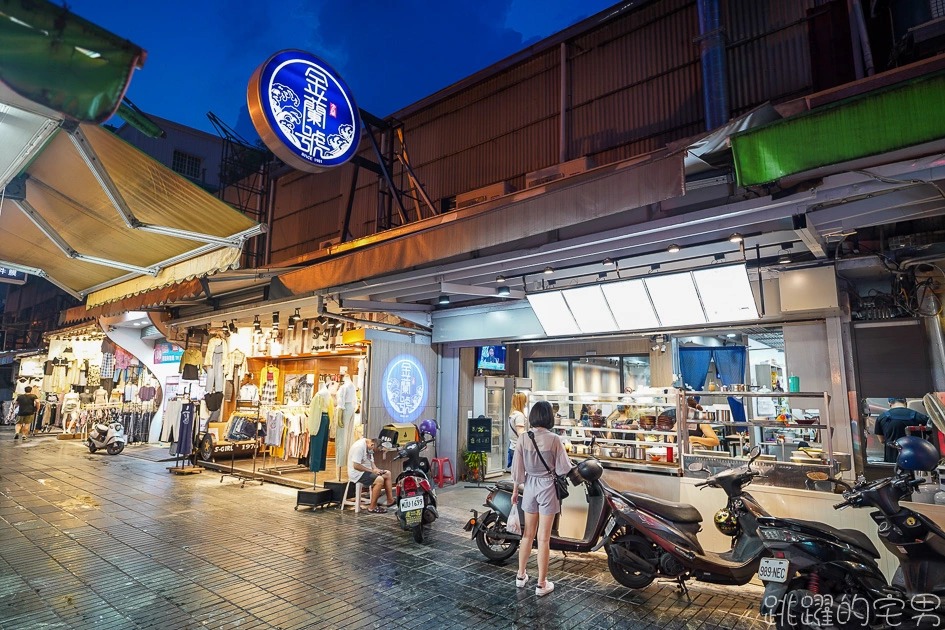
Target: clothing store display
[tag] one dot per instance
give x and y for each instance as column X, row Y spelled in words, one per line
column 146, row 393
column 344, row 417
column 107, row 371
column 185, row 444
column 318, row 443
column 129, row 392
column 249, row 392
column 269, row 385
column 108, row 346
column 100, row 397
column 94, row 377
column 306, row 389
column 213, row 361
column 190, row 363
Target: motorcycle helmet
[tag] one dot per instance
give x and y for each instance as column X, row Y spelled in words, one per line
column 428, row 427
column 590, row 470
column 726, row 522
column 916, row 454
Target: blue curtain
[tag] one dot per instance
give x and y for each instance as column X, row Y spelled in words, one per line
column 730, row 363
column 694, row 365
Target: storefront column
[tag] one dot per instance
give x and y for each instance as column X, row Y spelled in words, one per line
column 839, row 403
column 447, row 440
column 933, row 328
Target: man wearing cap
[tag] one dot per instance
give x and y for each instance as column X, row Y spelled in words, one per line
column 891, row 425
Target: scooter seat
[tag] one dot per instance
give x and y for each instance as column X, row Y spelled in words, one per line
column 676, row 512
column 508, row 486
column 849, row 536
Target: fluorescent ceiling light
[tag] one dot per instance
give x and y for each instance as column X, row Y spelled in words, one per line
column 590, row 309
column 630, row 305
column 553, row 314
column 726, row 293
column 675, row 299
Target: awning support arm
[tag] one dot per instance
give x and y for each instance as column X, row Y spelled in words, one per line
column 33, row 215
column 42, row 274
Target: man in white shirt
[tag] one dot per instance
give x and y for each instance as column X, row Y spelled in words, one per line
column 361, row 469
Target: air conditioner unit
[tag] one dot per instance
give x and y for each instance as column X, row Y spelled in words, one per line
column 558, row 171
column 329, row 242
column 483, row 194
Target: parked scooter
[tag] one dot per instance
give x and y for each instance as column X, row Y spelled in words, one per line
column 824, row 577
column 110, row 437
column 645, row 537
column 415, row 493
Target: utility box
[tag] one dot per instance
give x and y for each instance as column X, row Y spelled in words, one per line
column 481, row 195
column 397, row 434
column 805, row 290
column 558, row 171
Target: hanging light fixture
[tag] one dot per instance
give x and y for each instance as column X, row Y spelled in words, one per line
column 784, row 257
column 304, row 325
column 673, row 249
column 608, row 262
column 736, row 237
column 256, row 325
column 295, row 317
column 549, row 270
column 275, row 320
column 232, row 326
column 500, row 279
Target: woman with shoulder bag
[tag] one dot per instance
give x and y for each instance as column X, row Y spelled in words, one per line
column 516, row 423
column 539, row 458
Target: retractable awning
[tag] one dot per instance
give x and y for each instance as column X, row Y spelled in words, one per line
column 78, row 205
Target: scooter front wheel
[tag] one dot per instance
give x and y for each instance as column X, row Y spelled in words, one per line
column 495, row 549
column 115, row 448
column 91, row 446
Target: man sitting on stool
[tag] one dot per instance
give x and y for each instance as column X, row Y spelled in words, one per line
column 361, row 470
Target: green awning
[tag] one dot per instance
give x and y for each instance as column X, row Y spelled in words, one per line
column 55, row 58
column 894, row 118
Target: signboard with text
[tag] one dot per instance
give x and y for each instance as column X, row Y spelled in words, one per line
column 12, row 276
column 479, row 435
column 406, row 388
column 167, row 352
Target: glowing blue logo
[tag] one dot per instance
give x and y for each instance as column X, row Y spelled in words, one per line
column 405, row 388
column 304, row 111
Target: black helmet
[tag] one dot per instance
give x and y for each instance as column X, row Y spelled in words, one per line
column 916, row 454
column 590, row 470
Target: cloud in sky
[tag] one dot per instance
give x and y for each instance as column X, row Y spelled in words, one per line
column 201, row 53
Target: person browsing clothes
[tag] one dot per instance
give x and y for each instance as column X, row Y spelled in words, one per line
column 361, row 469
column 25, row 412
column 891, row 425
column 539, row 500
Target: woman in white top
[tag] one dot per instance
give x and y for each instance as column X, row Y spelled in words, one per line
column 516, row 422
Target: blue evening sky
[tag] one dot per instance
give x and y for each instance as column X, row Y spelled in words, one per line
column 201, row 53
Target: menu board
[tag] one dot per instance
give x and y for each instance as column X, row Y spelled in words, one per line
column 479, row 435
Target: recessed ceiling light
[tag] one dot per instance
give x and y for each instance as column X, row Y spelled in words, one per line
column 608, row 262
column 731, row 335
column 674, row 248
column 549, row 270
column 503, row 291
column 444, row 299
column 500, row 278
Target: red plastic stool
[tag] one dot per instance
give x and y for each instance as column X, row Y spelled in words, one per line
column 437, row 468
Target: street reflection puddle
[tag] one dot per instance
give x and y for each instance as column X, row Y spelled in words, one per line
column 81, row 502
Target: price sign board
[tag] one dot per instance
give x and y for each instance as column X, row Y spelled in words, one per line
column 479, row 435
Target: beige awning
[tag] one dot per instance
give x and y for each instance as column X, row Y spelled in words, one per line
column 92, row 211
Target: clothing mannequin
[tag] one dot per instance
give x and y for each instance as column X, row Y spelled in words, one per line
column 100, row 397
column 320, row 413
column 344, row 410
column 70, row 411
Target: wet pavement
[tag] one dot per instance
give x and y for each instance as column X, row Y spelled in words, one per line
column 118, row 542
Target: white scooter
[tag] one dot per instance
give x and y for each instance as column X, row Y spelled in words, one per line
column 110, row 437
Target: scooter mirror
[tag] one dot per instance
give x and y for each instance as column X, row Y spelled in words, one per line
column 936, row 411
column 754, row 452
column 695, row 467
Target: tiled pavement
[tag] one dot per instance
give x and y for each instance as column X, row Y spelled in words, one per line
column 118, row 542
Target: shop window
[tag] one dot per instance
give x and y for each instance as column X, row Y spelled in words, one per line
column 597, row 375
column 187, row 165
column 636, row 372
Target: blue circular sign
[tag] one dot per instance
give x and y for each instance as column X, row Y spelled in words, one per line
column 405, row 388
column 304, row 111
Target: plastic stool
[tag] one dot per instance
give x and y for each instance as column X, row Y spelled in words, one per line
column 437, row 470
column 355, row 500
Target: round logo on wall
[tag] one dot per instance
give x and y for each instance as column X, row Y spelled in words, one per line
column 304, row 111
column 405, row 388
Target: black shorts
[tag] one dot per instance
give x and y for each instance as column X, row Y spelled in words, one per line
column 367, row 478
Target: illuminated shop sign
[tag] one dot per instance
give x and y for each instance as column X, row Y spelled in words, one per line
column 405, row 388
column 12, row 276
column 304, row 111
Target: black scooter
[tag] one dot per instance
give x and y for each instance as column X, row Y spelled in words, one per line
column 825, row 577
column 415, row 493
column 660, row 539
column 645, row 537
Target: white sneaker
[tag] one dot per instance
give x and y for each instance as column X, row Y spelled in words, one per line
column 521, row 582
column 549, row 586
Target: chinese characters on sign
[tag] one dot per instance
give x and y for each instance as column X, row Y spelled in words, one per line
column 12, row 276
column 166, row 352
column 405, row 388
column 304, row 111
column 479, row 435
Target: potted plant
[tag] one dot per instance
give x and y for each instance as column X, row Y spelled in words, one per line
column 472, row 463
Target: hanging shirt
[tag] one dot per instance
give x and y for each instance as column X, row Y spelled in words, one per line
column 249, row 392
column 190, row 363
column 321, row 403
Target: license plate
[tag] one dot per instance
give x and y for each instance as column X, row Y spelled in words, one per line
column 773, row 570
column 413, row 517
column 610, row 527
column 411, row 503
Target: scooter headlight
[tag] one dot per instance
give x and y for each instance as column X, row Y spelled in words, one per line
column 618, row 503
column 776, row 534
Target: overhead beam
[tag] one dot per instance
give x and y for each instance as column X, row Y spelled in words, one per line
column 809, row 236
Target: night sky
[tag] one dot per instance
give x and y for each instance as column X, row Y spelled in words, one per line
column 201, row 53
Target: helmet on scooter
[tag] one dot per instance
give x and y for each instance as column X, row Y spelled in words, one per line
column 428, row 427
column 916, row 454
column 726, row 522
column 589, row 470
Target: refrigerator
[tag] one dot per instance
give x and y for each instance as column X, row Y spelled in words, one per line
column 492, row 398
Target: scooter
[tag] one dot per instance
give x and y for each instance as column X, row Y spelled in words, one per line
column 660, row 539
column 110, row 437
column 645, row 537
column 825, row 577
column 415, row 494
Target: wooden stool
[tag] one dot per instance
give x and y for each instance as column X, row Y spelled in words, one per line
column 353, row 501
column 438, row 466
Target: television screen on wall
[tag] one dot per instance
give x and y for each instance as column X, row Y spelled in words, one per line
column 491, row 358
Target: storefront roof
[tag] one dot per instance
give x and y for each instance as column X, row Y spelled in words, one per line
column 78, row 205
column 900, row 116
